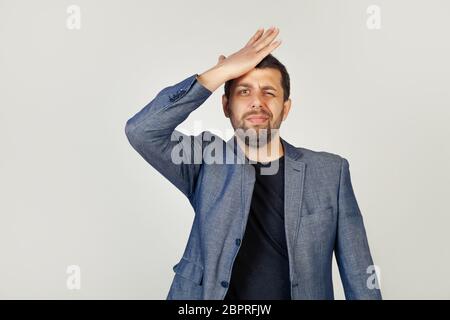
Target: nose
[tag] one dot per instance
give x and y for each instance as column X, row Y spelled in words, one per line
column 256, row 103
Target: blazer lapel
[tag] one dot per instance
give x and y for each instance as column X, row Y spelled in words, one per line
column 294, row 176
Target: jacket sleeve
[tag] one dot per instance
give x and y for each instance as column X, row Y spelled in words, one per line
column 352, row 249
column 151, row 132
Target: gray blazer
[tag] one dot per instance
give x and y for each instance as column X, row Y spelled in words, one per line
column 321, row 212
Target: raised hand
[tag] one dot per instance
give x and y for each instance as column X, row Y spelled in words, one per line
column 259, row 46
column 242, row 61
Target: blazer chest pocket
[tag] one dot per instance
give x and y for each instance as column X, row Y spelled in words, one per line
column 189, row 270
column 318, row 211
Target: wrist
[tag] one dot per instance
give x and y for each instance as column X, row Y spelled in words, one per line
column 213, row 78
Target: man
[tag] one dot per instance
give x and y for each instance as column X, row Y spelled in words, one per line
column 266, row 223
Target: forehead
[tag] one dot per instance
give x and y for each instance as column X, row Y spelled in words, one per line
column 260, row 78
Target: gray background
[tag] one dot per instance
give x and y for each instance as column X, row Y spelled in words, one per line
column 73, row 191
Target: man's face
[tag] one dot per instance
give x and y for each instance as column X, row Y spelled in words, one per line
column 256, row 102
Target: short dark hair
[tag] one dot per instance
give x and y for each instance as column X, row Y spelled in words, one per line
column 269, row 61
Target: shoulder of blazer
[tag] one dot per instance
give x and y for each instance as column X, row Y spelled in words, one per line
column 321, row 158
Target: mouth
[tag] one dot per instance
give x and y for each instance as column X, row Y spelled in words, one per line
column 257, row 119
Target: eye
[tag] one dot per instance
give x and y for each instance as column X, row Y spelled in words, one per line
column 243, row 90
column 270, row 93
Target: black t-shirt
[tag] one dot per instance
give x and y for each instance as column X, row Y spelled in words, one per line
column 261, row 267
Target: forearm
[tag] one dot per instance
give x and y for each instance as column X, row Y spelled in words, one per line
column 168, row 109
column 213, row 78
column 152, row 132
column 354, row 260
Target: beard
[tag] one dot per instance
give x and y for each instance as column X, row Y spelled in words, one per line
column 257, row 136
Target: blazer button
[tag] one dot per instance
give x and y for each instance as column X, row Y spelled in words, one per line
column 238, row 242
column 224, row 284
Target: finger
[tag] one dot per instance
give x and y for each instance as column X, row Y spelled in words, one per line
column 268, row 49
column 264, row 35
column 265, row 41
column 255, row 37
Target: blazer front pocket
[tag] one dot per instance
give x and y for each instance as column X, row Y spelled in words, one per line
column 189, row 270
column 318, row 211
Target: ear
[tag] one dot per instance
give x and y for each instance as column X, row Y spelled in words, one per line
column 225, row 107
column 287, row 108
